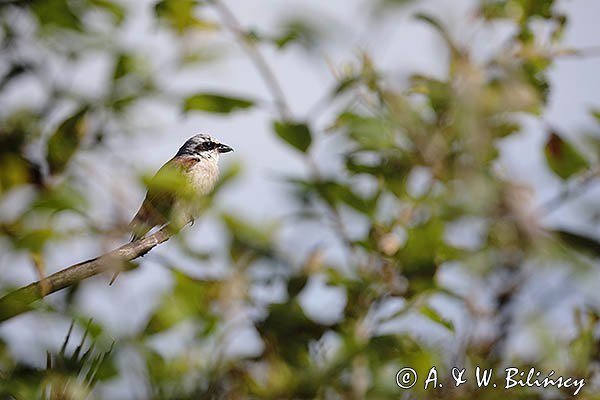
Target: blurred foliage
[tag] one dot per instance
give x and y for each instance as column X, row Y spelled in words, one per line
column 563, row 158
column 63, row 143
column 295, row 134
column 66, row 376
column 215, row 103
column 181, row 15
column 417, row 169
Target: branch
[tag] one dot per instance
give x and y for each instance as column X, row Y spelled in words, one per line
column 231, row 22
column 285, row 113
column 570, row 190
column 20, row 301
column 582, row 52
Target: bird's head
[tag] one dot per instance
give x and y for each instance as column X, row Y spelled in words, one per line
column 203, row 146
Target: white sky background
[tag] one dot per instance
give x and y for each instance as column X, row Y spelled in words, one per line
column 399, row 43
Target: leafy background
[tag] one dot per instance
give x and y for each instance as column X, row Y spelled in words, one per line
column 413, row 185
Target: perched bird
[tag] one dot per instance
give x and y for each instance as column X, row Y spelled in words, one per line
column 174, row 192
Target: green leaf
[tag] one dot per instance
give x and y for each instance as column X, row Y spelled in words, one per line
column 346, row 84
column 58, row 198
column 289, row 330
column 562, row 157
column 190, row 298
column 520, row 10
column 57, row 13
column 534, row 71
column 117, row 11
column 215, row 103
column 503, row 128
column 425, row 249
column 123, row 102
column 369, row 132
column 596, row 114
column 64, row 142
column 385, row 4
column 436, row 317
column 298, row 31
column 34, row 240
column 333, row 193
column 125, row 65
column 439, row 93
column 437, row 25
column 16, row 170
column 105, row 370
column 179, row 14
column 248, row 241
column 295, row 134
column 296, row 284
column 580, row 242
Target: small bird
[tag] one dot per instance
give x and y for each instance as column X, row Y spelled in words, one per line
column 174, row 192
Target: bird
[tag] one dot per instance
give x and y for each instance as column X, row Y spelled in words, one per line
column 174, row 193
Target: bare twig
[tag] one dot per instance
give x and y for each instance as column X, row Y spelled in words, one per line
column 569, row 191
column 20, row 300
column 593, row 51
column 285, row 112
column 232, row 23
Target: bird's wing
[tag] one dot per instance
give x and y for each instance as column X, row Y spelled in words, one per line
column 162, row 192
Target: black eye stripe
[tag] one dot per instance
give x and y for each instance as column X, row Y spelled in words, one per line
column 206, row 146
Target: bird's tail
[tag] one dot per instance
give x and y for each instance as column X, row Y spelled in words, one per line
column 134, row 236
column 138, row 229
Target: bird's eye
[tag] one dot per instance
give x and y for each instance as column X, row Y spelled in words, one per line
column 205, row 146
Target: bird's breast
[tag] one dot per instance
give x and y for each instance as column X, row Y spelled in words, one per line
column 203, row 176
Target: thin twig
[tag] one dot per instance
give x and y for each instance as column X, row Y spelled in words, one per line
column 20, row 300
column 232, row 23
column 593, row 51
column 568, row 192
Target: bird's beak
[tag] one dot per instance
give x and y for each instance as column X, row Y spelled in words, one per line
column 223, row 148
